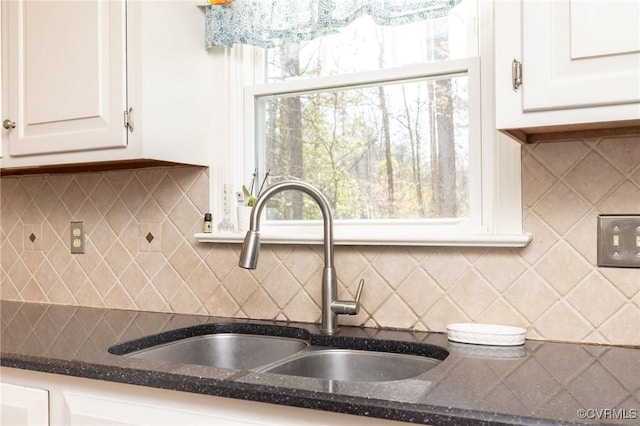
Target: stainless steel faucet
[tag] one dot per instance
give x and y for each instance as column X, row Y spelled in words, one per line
column 331, row 306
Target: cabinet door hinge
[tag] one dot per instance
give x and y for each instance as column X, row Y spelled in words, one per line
column 516, row 74
column 128, row 119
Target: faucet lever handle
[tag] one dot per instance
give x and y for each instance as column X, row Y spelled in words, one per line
column 359, row 291
column 348, row 307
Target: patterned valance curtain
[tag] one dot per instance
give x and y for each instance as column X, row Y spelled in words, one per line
column 261, row 22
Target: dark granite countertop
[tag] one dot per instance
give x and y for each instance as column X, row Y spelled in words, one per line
column 538, row 383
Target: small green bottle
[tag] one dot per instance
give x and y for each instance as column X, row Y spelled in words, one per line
column 208, row 223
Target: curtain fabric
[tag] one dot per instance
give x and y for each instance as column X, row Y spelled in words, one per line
column 261, row 22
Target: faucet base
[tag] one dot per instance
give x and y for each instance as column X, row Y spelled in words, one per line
column 326, row 332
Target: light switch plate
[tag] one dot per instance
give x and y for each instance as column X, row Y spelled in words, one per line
column 619, row 241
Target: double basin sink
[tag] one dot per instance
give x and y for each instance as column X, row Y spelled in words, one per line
column 287, row 350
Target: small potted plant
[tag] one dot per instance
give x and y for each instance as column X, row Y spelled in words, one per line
column 249, row 200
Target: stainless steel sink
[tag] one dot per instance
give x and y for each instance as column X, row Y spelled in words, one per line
column 353, row 365
column 225, row 350
column 287, row 351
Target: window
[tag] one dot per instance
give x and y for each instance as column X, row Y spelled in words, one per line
column 388, row 146
column 386, row 122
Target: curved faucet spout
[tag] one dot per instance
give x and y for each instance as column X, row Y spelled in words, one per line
column 331, row 306
column 254, row 223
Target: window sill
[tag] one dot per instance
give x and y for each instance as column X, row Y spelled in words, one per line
column 512, row 240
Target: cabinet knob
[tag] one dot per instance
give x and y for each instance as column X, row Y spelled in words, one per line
column 8, row 124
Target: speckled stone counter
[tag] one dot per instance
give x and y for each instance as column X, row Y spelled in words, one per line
column 539, row 383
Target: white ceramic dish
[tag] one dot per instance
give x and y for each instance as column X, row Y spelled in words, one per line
column 487, row 351
column 486, row 334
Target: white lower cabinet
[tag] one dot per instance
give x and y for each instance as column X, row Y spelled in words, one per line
column 85, row 408
column 82, row 402
column 23, row 406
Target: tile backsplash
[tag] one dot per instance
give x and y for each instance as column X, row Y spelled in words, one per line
column 141, row 254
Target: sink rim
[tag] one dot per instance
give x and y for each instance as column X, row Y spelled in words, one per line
column 253, row 329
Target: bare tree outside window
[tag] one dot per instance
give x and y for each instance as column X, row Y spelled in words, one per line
column 394, row 150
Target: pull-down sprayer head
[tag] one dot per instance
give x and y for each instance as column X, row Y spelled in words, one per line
column 250, row 250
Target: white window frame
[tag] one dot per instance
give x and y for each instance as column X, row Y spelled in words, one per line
column 499, row 219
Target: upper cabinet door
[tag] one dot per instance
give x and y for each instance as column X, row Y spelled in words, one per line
column 578, row 53
column 2, row 83
column 567, row 66
column 66, row 75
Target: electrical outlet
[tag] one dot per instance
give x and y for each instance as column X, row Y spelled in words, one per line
column 77, row 238
column 619, row 241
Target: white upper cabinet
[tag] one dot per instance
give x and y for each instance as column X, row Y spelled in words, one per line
column 67, row 76
column 3, row 97
column 105, row 81
column 570, row 46
column 580, row 64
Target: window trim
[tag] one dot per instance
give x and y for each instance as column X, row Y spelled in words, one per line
column 500, row 203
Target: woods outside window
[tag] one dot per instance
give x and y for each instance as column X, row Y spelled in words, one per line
column 384, row 120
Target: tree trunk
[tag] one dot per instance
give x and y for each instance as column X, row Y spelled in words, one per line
column 386, row 134
column 293, row 126
column 443, row 145
column 414, row 140
column 434, row 210
column 387, row 151
column 446, row 150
